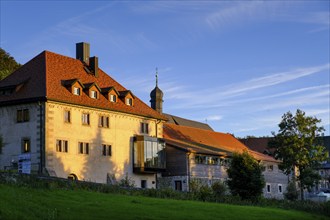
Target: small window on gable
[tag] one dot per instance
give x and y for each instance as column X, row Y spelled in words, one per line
column 270, row 168
column 76, row 90
column 113, row 98
column 93, row 94
column 129, row 101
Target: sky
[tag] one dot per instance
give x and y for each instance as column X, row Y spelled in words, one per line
column 236, row 65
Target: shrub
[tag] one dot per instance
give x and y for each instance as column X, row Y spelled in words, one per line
column 291, row 192
column 127, row 181
column 219, row 189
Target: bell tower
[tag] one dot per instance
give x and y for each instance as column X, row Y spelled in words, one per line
column 156, row 96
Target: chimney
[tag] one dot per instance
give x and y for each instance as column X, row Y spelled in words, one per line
column 82, row 52
column 94, row 65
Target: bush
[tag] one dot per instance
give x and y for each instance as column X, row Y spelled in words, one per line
column 291, row 192
column 219, row 189
column 127, row 182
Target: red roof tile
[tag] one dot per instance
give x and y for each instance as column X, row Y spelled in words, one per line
column 44, row 76
column 206, row 141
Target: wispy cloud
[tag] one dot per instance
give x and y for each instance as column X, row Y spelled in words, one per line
column 223, row 96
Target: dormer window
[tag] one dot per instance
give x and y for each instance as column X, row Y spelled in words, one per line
column 113, row 98
column 93, row 94
column 129, row 101
column 76, row 91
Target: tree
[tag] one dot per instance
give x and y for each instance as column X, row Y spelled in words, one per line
column 296, row 146
column 245, row 176
column 7, row 64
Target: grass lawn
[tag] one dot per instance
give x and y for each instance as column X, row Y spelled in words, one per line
column 27, row 203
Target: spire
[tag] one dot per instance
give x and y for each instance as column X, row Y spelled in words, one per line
column 156, row 77
column 156, row 96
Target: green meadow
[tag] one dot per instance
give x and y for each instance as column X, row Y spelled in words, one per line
column 30, row 203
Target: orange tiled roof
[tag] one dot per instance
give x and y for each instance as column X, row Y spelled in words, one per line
column 43, row 77
column 206, row 141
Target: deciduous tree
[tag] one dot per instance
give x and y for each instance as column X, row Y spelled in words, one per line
column 245, row 176
column 296, row 146
column 7, row 64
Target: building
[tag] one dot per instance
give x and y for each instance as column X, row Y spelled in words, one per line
column 261, row 145
column 65, row 117
column 194, row 152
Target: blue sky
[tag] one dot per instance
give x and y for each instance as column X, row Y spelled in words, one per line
column 239, row 65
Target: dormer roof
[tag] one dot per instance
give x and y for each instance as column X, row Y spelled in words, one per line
column 71, row 82
column 123, row 94
column 90, row 85
column 109, row 89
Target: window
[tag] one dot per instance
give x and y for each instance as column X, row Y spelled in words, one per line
column 104, row 121
column 26, row 145
column 72, row 177
column 143, row 184
column 270, row 167
column 67, row 116
column 85, row 119
column 61, row 146
column 23, row 115
column 178, row 185
column 144, row 128
column 113, row 98
column 94, row 94
column 83, row 148
column 200, row 159
column 129, row 101
column 280, row 190
column 76, row 91
column 268, row 188
column 106, row 150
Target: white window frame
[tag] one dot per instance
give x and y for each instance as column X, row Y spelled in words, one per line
column 104, row 121
column 270, row 188
column 85, row 119
column 62, row 146
column 113, row 98
column 144, row 128
column 67, row 116
column 280, row 186
column 94, row 94
column 83, row 148
column 129, row 101
column 107, row 150
column 76, row 90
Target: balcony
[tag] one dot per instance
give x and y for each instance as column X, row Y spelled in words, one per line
column 149, row 155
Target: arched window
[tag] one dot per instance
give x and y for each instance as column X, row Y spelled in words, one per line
column 72, row 177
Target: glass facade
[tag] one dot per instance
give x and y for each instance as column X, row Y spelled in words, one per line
column 149, row 154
